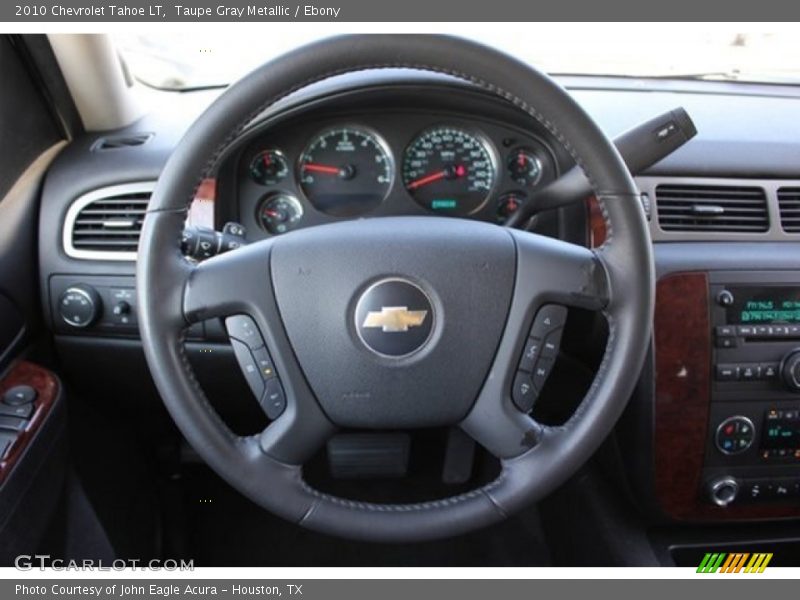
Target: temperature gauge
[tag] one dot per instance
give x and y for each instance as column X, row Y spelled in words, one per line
column 508, row 204
column 279, row 213
column 269, row 167
column 524, row 167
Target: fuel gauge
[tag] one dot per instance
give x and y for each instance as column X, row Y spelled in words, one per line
column 279, row 213
column 269, row 167
column 524, row 167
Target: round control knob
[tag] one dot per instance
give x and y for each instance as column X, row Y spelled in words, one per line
column 80, row 305
column 734, row 435
column 790, row 370
column 723, row 490
column 725, row 298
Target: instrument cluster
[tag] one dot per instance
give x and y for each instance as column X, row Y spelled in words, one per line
column 400, row 164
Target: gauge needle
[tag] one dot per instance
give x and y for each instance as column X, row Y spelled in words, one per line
column 316, row 168
column 446, row 173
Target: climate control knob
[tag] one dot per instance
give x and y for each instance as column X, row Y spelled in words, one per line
column 80, row 306
column 790, row 370
column 723, row 490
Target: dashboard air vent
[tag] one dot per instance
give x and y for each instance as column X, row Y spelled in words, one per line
column 115, row 142
column 105, row 224
column 719, row 208
column 789, row 204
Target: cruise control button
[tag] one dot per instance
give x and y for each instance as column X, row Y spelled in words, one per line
column 524, row 393
column 274, row 400
column 549, row 317
column 530, row 354
column 23, row 411
column 264, row 362
column 551, row 344
column 249, row 367
column 244, row 329
column 20, row 394
column 541, row 372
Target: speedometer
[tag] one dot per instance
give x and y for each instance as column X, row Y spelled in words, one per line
column 449, row 170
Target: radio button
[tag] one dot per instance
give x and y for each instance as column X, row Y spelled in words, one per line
column 726, row 342
column 749, row 372
column 727, row 372
column 746, row 330
column 762, row 331
column 726, row 331
column 769, row 371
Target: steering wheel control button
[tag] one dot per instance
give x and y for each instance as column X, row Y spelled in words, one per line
column 524, row 393
column 250, row 368
column 549, row 318
column 394, row 318
column 265, row 366
column 244, row 329
column 20, row 394
column 551, row 344
column 541, row 372
column 734, row 435
column 530, row 354
column 23, row 411
column 274, row 399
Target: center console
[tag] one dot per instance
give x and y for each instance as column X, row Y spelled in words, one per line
column 727, row 407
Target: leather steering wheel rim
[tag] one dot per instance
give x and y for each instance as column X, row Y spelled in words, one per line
column 618, row 279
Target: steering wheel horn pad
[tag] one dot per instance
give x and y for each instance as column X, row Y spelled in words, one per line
column 479, row 285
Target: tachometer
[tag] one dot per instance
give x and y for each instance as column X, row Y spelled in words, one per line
column 345, row 171
column 449, row 170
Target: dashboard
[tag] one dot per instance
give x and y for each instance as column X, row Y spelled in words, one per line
column 373, row 145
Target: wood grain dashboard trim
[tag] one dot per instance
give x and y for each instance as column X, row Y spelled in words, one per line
column 47, row 388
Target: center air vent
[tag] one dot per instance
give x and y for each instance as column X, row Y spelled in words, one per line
column 789, row 204
column 712, row 208
column 105, row 224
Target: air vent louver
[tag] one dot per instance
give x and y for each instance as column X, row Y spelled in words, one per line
column 789, row 204
column 105, row 224
column 712, row 208
column 115, row 142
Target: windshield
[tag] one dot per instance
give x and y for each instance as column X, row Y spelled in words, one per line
column 179, row 61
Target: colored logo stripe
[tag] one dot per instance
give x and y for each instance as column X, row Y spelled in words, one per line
column 734, row 562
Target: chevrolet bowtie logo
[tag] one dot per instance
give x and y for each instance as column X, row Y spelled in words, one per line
column 393, row 319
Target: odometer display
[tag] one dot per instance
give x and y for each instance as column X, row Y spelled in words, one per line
column 345, row 171
column 449, row 170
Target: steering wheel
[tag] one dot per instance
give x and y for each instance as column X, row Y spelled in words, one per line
column 396, row 322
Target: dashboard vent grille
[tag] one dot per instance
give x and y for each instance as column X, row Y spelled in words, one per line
column 789, row 204
column 106, row 223
column 115, row 142
column 712, row 208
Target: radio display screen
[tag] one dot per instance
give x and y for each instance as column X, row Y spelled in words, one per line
column 781, row 436
column 754, row 305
